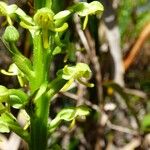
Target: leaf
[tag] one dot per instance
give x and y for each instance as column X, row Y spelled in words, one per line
column 57, row 50
column 14, row 97
column 15, row 101
column 41, row 91
column 145, row 123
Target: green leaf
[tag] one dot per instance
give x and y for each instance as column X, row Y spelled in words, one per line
column 14, row 97
column 41, row 91
column 57, row 50
column 15, row 101
column 145, row 123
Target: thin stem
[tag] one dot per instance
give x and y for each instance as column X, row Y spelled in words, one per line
column 48, row 3
column 38, row 4
column 42, row 3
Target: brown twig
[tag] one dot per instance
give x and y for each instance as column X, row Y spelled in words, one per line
column 121, row 129
column 136, row 92
column 144, row 35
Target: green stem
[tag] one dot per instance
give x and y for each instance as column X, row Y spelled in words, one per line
column 38, row 4
column 39, row 121
column 40, row 112
column 42, row 3
column 48, row 3
column 39, row 118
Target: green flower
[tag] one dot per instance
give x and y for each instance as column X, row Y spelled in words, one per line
column 79, row 72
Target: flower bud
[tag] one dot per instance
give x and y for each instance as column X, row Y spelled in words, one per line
column 11, row 34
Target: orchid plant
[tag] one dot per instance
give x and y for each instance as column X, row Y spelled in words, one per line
column 46, row 29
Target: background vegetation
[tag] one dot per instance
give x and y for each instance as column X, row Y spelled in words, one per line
column 120, row 111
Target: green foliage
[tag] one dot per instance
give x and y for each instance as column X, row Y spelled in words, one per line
column 8, row 122
column 77, row 72
column 145, row 123
column 46, row 29
column 68, row 114
column 134, row 14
